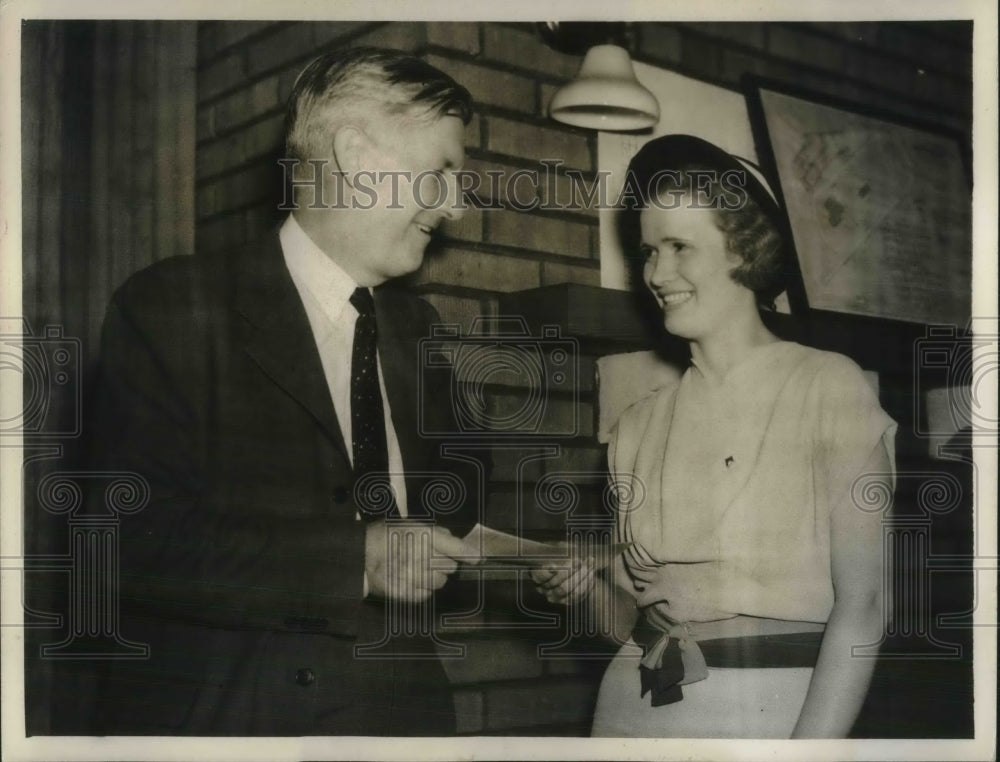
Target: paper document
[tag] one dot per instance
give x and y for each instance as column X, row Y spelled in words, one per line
column 501, row 548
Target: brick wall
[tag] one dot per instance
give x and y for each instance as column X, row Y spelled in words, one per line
column 245, row 73
column 916, row 70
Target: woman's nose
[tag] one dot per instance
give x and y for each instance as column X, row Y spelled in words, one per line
column 661, row 268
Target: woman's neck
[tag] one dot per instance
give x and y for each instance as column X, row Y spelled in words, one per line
column 715, row 355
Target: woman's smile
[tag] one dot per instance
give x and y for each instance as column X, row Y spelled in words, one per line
column 675, row 298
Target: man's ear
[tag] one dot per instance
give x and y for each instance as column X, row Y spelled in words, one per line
column 350, row 147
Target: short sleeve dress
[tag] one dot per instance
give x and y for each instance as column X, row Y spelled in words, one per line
column 734, row 482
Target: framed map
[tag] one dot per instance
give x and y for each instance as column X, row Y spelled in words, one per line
column 880, row 212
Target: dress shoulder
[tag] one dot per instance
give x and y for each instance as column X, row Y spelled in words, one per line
column 822, row 360
column 647, row 416
column 838, row 378
column 638, row 414
column 847, row 423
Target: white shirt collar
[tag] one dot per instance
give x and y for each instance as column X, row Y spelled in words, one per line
column 314, row 271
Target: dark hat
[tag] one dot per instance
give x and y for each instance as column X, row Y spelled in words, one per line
column 686, row 152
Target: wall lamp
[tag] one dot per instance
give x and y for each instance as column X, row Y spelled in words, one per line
column 605, row 94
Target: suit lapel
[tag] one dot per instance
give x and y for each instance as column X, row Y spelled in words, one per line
column 279, row 337
column 280, row 340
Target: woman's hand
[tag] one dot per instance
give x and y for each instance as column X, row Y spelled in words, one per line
column 565, row 584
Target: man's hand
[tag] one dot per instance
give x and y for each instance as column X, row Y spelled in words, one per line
column 563, row 584
column 398, row 559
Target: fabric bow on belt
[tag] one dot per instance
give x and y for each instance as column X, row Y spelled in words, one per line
column 670, row 659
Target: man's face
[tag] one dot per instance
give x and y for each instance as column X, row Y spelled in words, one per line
column 406, row 191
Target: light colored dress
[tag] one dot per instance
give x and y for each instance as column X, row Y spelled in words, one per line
column 734, row 484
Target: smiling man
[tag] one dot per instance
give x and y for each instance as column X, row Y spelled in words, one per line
column 267, row 394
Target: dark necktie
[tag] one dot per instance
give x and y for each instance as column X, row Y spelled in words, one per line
column 371, row 453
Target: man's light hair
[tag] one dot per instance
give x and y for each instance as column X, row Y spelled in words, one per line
column 363, row 87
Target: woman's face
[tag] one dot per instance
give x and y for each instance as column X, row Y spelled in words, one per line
column 687, row 268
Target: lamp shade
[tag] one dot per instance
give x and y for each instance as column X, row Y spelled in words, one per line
column 605, row 94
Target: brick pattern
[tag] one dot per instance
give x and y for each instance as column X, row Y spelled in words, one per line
column 478, row 270
column 518, row 46
column 245, row 72
column 906, row 68
column 457, row 36
column 490, row 85
column 542, row 234
column 533, row 141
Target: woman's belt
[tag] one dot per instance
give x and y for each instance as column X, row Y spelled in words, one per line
column 675, row 658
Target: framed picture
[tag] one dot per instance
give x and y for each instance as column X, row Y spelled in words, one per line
column 880, row 210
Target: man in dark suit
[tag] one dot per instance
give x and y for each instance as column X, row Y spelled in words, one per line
column 245, row 388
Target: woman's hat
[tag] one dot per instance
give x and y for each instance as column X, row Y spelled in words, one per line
column 686, row 152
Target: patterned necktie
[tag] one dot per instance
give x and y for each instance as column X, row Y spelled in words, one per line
column 371, row 453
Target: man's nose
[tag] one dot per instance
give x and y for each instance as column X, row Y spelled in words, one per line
column 456, row 204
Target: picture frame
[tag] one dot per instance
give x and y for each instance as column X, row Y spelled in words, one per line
column 879, row 206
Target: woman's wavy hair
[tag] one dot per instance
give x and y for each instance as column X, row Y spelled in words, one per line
column 677, row 169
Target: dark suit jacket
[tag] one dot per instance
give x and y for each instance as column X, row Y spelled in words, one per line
column 244, row 572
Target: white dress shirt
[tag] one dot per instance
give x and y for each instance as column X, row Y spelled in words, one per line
column 325, row 290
